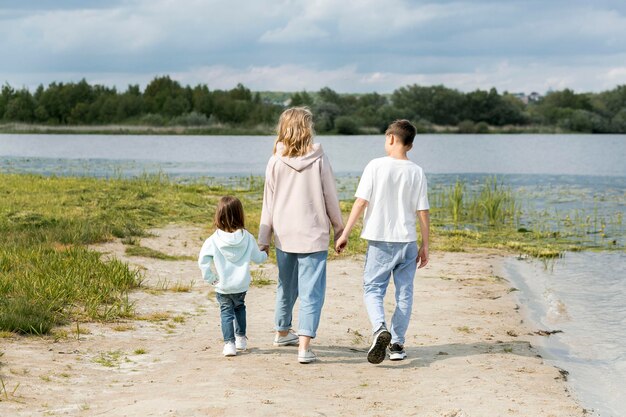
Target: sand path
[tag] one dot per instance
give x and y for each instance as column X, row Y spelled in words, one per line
column 469, row 352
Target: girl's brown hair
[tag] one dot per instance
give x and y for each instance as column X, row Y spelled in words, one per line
column 229, row 214
column 295, row 131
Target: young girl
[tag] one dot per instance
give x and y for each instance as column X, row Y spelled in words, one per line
column 230, row 248
column 299, row 205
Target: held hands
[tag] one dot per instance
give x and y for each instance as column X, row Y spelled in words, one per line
column 265, row 248
column 422, row 257
column 341, row 243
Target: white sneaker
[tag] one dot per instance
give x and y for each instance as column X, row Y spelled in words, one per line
column 306, row 356
column 241, row 342
column 229, row 349
column 291, row 339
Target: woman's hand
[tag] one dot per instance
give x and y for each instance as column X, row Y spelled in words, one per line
column 265, row 248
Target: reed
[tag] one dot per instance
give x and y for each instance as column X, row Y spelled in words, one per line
column 455, row 198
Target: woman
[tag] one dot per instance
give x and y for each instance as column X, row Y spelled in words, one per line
column 299, row 205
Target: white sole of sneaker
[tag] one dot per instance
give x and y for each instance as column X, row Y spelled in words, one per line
column 397, row 356
column 288, row 343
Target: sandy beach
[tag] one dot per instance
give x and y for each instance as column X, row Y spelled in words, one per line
column 469, row 351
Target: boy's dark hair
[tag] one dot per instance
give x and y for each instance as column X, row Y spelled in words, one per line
column 402, row 129
column 229, row 214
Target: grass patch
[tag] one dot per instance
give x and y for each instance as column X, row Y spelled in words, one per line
column 357, row 337
column 123, row 327
column 178, row 319
column 110, row 359
column 180, row 286
column 140, row 351
column 260, row 278
column 164, row 285
column 43, row 287
column 135, row 250
column 157, row 316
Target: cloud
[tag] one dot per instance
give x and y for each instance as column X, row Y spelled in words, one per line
column 353, row 44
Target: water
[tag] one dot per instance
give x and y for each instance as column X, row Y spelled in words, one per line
column 584, row 295
column 101, row 155
column 558, row 176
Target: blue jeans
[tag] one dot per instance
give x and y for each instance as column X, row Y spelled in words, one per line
column 303, row 275
column 232, row 309
column 382, row 260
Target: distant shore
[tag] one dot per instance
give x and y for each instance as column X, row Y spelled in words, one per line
column 260, row 130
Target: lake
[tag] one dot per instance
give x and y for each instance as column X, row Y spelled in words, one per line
column 101, row 155
column 559, row 176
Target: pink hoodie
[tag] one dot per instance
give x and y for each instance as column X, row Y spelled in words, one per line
column 299, row 202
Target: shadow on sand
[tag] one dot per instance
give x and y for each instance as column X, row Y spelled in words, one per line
column 417, row 357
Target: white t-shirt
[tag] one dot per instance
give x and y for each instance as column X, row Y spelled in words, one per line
column 395, row 190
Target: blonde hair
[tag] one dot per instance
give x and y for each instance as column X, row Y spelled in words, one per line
column 295, row 131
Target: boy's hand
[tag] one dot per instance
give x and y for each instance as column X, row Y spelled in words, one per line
column 265, row 248
column 340, row 244
column 422, row 257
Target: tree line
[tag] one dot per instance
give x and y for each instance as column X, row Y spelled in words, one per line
column 165, row 102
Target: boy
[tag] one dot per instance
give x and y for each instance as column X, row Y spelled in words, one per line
column 392, row 192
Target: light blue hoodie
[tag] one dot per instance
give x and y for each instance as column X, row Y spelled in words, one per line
column 231, row 253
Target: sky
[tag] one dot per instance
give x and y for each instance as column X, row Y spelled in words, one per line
column 288, row 45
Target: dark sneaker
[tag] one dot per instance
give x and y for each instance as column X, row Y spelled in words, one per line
column 378, row 350
column 396, row 352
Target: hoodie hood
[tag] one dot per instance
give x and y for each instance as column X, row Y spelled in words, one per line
column 232, row 245
column 299, row 163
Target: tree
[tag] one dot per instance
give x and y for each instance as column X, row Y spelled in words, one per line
column 324, row 114
column 346, row 125
column 437, row 104
column 301, row 99
column 240, row 93
column 202, row 100
column 21, row 107
column 618, row 123
column 159, row 90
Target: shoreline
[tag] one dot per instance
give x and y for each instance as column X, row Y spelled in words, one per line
column 226, row 130
column 563, row 298
column 470, row 353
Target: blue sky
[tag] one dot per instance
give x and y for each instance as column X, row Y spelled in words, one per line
column 288, row 45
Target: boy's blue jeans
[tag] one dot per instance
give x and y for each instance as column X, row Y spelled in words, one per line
column 232, row 309
column 300, row 275
column 384, row 259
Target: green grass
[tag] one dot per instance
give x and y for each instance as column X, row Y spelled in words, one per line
column 48, row 276
column 260, row 278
